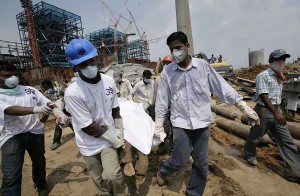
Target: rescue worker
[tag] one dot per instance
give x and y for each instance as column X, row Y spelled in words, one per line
column 92, row 102
column 185, row 87
column 20, row 130
column 268, row 100
column 143, row 90
column 124, row 86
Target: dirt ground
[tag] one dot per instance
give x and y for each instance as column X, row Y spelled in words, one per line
column 228, row 175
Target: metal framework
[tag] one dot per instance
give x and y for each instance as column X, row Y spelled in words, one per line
column 104, row 39
column 54, row 28
column 138, row 51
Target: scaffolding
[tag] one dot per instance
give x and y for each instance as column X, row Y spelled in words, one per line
column 138, row 51
column 54, row 28
column 13, row 52
column 104, row 40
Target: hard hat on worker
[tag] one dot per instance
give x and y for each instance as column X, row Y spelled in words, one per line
column 79, row 50
column 168, row 59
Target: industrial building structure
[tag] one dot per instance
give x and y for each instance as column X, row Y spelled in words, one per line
column 256, row 57
column 54, row 28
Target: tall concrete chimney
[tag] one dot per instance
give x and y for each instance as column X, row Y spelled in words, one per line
column 184, row 21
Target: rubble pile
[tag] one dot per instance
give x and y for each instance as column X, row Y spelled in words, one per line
column 250, row 73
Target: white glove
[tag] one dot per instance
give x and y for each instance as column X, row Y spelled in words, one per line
column 42, row 109
column 111, row 136
column 250, row 113
column 119, row 128
column 146, row 106
column 159, row 129
column 130, row 98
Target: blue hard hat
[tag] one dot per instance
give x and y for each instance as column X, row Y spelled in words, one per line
column 79, row 50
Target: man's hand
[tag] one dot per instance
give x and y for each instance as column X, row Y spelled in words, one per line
column 146, row 106
column 250, row 113
column 45, row 109
column 159, row 129
column 280, row 118
column 111, row 136
column 63, row 121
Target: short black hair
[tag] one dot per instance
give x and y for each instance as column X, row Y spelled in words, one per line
column 7, row 66
column 179, row 35
column 46, row 83
column 147, row 73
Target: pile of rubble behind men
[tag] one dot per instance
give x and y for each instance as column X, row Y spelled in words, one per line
column 250, row 73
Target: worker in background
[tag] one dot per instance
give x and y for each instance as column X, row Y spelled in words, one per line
column 54, row 94
column 185, row 87
column 143, row 90
column 92, row 102
column 268, row 99
column 212, row 59
column 220, row 59
column 124, row 86
column 20, row 130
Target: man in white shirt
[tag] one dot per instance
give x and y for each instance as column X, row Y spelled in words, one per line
column 92, row 102
column 144, row 90
column 124, row 86
column 20, row 130
column 185, row 87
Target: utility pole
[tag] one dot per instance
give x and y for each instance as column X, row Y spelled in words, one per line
column 184, row 21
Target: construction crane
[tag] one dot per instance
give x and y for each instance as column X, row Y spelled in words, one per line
column 141, row 36
column 27, row 5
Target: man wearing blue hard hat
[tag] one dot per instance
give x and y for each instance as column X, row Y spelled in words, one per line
column 268, row 100
column 92, row 102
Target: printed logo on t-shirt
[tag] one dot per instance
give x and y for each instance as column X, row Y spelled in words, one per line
column 109, row 91
column 29, row 91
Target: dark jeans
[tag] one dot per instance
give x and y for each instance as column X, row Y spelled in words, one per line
column 13, row 151
column 188, row 141
column 58, row 133
column 284, row 140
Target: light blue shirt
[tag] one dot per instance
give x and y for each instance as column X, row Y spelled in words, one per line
column 187, row 92
column 266, row 82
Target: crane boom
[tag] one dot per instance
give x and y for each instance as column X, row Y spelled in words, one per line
column 27, row 5
column 137, row 29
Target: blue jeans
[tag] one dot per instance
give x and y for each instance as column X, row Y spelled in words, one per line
column 13, row 151
column 188, row 141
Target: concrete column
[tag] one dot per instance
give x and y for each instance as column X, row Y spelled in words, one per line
column 184, row 21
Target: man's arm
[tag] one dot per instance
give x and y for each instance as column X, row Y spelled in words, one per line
column 277, row 115
column 94, row 130
column 18, row 111
column 116, row 113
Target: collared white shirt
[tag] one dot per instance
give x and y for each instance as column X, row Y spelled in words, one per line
column 13, row 125
column 266, row 82
column 187, row 92
column 143, row 91
column 89, row 103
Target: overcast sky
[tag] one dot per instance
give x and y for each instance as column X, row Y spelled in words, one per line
column 227, row 27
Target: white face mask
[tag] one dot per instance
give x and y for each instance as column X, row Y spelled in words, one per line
column 90, row 71
column 277, row 66
column 11, row 82
column 179, row 54
column 147, row 81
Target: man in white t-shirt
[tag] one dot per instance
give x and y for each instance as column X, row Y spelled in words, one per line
column 92, row 102
column 21, row 129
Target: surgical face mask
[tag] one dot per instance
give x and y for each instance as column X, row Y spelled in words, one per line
column 76, row 74
column 90, row 71
column 277, row 66
column 12, row 91
column 147, row 81
column 11, row 82
column 179, row 54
